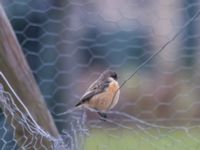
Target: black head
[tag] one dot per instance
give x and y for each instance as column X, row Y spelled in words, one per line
column 110, row 73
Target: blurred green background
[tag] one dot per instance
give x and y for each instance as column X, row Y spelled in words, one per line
column 152, row 140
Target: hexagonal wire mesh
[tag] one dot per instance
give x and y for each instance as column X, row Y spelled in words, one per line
column 69, row 43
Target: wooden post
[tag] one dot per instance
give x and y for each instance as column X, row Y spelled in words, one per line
column 14, row 66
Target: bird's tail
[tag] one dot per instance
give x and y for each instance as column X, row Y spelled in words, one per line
column 78, row 104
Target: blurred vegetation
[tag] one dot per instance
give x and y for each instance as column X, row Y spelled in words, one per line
column 145, row 140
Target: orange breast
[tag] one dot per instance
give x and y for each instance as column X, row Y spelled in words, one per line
column 107, row 99
column 113, row 88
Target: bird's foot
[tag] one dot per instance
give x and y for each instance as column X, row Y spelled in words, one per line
column 103, row 116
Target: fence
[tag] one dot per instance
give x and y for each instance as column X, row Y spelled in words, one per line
column 69, row 43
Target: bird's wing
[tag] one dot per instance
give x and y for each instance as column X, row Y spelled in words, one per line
column 96, row 88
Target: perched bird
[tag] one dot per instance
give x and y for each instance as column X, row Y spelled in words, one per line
column 103, row 94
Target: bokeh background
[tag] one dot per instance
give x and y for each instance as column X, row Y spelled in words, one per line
column 68, row 43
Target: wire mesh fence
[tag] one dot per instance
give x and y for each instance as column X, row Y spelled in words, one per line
column 69, row 43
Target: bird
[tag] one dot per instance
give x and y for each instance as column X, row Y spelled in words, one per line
column 103, row 94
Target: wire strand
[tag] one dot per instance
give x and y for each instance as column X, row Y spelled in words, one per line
column 161, row 49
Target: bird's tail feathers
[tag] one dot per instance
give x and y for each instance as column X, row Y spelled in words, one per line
column 79, row 104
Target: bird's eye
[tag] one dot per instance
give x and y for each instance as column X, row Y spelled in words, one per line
column 114, row 76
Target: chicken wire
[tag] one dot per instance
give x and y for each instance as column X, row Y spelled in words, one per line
column 69, row 43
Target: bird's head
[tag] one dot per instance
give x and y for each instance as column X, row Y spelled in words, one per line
column 110, row 73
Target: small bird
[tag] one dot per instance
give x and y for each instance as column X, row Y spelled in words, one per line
column 103, row 94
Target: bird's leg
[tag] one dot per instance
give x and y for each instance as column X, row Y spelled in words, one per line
column 103, row 115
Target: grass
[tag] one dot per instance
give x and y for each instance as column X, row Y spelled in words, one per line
column 143, row 140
